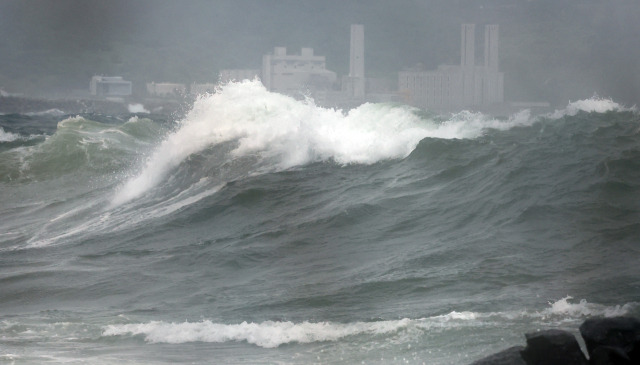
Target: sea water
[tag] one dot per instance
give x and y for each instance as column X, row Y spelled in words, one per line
column 262, row 229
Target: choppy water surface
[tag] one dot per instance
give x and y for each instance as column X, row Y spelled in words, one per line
column 261, row 229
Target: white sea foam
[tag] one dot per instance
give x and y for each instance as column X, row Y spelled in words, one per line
column 271, row 334
column 563, row 307
column 8, row 136
column 594, row 104
column 283, row 132
column 266, row 334
column 137, row 108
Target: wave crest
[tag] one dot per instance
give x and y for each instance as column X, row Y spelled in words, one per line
column 279, row 132
column 594, row 104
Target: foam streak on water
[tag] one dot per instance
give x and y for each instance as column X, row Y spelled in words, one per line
column 272, row 334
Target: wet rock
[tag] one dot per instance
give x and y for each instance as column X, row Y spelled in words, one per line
column 553, row 347
column 605, row 355
column 612, row 340
column 510, row 356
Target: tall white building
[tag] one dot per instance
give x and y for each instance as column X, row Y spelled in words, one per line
column 295, row 73
column 450, row 86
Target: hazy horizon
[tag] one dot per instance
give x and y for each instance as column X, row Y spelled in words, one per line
column 549, row 50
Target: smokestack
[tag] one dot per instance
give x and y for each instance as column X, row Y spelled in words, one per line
column 356, row 59
column 491, row 47
column 467, row 54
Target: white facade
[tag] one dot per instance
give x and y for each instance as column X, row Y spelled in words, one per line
column 451, row 87
column 110, row 86
column 293, row 74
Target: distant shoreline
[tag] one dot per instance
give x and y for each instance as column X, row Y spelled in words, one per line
column 23, row 105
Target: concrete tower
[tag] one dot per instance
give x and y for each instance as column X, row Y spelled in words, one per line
column 468, row 53
column 356, row 60
column 491, row 47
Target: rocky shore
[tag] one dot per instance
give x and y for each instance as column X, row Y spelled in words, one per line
column 609, row 341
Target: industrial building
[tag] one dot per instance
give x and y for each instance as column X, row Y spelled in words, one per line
column 110, row 86
column 295, row 73
column 451, row 86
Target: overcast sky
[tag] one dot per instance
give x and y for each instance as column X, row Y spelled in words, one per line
column 555, row 49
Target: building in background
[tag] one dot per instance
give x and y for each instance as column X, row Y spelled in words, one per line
column 199, row 89
column 110, row 86
column 296, row 74
column 166, row 89
column 451, row 86
column 238, row 75
column 354, row 84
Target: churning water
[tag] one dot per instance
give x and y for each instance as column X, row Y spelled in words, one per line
column 262, row 229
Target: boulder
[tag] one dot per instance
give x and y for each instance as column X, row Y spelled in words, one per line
column 552, row 347
column 510, row 356
column 612, row 340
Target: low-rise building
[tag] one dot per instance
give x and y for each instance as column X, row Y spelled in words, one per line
column 110, row 86
column 166, row 89
column 198, row 89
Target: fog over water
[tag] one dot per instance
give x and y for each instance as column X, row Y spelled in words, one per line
column 553, row 51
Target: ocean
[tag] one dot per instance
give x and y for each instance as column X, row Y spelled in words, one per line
column 260, row 229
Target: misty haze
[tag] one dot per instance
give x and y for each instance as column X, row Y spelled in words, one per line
column 319, row 182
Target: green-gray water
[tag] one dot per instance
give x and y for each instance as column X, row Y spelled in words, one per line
column 260, row 229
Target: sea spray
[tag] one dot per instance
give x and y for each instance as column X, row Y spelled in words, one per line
column 282, row 132
column 8, row 136
column 594, row 104
column 457, row 250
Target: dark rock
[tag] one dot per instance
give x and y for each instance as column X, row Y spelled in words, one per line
column 606, row 355
column 608, row 339
column 510, row 356
column 552, row 347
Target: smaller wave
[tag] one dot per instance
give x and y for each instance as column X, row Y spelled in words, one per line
column 563, row 307
column 594, row 104
column 52, row 112
column 267, row 334
column 272, row 334
column 8, row 136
